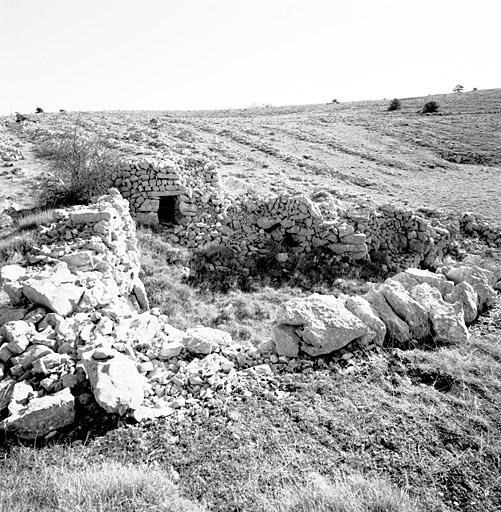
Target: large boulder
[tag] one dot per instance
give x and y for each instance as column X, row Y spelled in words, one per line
column 322, row 322
column 464, row 294
column 61, row 298
column 480, row 279
column 115, row 382
column 41, row 415
column 397, row 330
column 362, row 309
column 415, row 315
column 447, row 320
column 437, row 281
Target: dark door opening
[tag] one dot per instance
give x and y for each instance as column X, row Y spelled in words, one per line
column 168, row 210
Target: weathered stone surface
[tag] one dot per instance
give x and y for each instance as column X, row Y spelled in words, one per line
column 397, row 330
column 116, row 383
column 322, row 322
column 12, row 273
column 60, row 298
column 464, row 294
column 143, row 413
column 471, row 274
column 10, row 314
column 447, row 320
column 204, row 340
column 140, row 329
column 286, row 341
column 41, row 415
column 14, row 291
column 405, row 279
column 362, row 309
column 480, row 279
column 437, row 281
column 20, row 395
column 407, row 308
column 141, row 296
column 49, row 363
column 170, row 349
column 31, row 354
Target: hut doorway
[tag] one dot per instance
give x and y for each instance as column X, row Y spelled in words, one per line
column 168, row 210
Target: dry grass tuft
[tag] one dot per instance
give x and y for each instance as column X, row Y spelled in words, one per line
column 40, row 481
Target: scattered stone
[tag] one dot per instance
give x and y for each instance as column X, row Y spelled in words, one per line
column 41, row 416
column 116, row 383
column 204, row 340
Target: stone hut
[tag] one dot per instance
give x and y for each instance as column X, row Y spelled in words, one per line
column 168, row 191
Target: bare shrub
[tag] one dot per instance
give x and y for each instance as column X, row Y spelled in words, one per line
column 80, row 168
column 395, row 104
column 430, row 107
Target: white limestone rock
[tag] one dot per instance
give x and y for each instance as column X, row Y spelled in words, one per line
column 437, row 281
column 480, row 279
column 204, row 340
column 116, row 383
column 60, row 298
column 361, row 308
column 464, row 294
column 415, row 315
column 140, row 329
column 41, row 415
column 322, row 322
column 397, row 330
column 447, row 320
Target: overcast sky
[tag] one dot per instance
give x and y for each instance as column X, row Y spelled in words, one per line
column 206, row 54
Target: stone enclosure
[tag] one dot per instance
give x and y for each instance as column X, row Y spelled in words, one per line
column 77, row 332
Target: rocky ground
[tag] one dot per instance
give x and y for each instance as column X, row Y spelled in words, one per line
column 450, row 159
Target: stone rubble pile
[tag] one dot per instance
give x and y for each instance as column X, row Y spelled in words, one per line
column 78, row 328
column 411, row 307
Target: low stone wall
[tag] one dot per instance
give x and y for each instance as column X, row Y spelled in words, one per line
column 205, row 216
column 475, row 225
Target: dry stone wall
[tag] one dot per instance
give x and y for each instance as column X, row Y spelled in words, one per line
column 203, row 215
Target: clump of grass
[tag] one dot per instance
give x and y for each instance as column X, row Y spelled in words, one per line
column 15, row 248
column 32, row 220
column 80, row 167
column 17, row 245
column 64, row 480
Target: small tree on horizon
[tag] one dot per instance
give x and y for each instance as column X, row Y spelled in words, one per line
column 458, row 88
